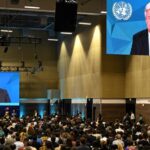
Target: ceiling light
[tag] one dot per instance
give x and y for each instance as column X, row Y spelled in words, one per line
column 85, row 23
column 68, row 33
column 51, row 39
column 103, row 12
column 8, row 31
column 88, row 13
column 31, row 7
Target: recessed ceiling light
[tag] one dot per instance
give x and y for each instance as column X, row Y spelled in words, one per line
column 85, row 23
column 68, row 33
column 8, row 31
column 103, row 12
column 31, row 7
column 52, row 39
column 88, row 13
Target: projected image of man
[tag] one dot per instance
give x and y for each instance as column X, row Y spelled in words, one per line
column 141, row 40
column 4, row 96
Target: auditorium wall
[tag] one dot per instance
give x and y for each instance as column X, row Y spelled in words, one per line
column 28, row 106
column 137, row 76
column 85, row 70
column 113, row 109
column 110, row 109
column 142, row 108
column 34, row 85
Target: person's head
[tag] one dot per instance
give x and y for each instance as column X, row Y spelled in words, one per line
column 118, row 136
column 82, row 140
column 147, row 15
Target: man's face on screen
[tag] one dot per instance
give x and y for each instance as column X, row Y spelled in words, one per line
column 148, row 19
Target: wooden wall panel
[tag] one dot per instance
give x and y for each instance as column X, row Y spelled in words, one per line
column 144, row 110
column 85, row 70
column 34, row 85
column 137, row 76
column 110, row 112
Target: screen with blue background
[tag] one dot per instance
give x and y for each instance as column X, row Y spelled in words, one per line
column 122, row 26
column 9, row 81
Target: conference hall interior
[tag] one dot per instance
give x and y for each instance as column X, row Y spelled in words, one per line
column 64, row 92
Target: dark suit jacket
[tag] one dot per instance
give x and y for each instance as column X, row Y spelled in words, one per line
column 4, row 97
column 140, row 43
column 83, row 147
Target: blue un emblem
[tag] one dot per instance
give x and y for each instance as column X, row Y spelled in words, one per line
column 122, row 10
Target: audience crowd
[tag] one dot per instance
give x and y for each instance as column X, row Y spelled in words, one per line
column 57, row 132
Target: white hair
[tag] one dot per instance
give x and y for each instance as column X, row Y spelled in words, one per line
column 147, row 7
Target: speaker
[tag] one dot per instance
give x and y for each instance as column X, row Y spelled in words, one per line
column 65, row 16
column 94, row 113
column 14, row 1
column 130, row 105
column 66, row 107
column 49, row 106
column 89, row 108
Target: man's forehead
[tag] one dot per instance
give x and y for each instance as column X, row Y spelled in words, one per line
column 147, row 11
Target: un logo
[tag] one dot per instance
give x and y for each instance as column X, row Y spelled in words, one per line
column 122, row 10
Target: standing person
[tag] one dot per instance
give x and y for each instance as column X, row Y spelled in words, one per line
column 35, row 115
column 83, row 144
column 132, row 117
column 14, row 114
column 141, row 121
column 126, row 119
column 7, row 115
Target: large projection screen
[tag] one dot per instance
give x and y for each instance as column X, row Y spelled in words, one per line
column 9, row 88
column 127, row 32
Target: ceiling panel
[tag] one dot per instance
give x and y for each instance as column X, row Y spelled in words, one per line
column 83, row 5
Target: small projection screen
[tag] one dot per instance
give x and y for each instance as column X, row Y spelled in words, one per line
column 126, row 24
column 9, row 88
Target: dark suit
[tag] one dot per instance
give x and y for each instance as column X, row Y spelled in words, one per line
column 140, row 44
column 83, row 147
column 4, row 97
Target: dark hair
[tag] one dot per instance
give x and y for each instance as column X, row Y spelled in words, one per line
column 82, row 140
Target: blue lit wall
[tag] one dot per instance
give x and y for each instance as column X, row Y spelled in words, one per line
column 78, row 106
column 28, row 106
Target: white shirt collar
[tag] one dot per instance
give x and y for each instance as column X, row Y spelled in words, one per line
column 149, row 42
